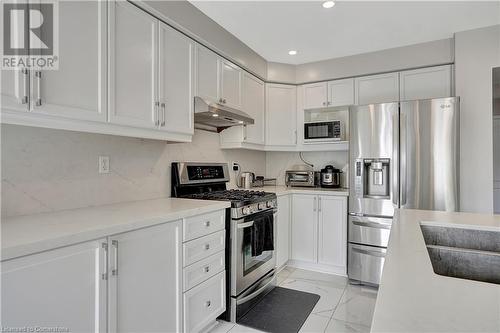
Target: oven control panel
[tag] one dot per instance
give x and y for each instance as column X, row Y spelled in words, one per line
column 253, row 208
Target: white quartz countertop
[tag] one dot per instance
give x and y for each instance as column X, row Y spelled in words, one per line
column 412, row 298
column 283, row 190
column 29, row 234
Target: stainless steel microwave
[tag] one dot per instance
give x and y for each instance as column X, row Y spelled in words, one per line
column 323, row 131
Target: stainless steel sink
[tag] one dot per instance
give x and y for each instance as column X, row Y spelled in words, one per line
column 463, row 253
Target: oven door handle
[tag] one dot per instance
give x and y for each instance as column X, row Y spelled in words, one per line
column 245, row 225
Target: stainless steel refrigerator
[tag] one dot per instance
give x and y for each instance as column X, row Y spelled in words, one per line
column 402, row 155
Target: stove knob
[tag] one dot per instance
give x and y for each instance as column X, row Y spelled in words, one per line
column 269, row 204
column 262, row 206
column 246, row 210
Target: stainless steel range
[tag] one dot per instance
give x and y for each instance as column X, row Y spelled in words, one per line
column 250, row 275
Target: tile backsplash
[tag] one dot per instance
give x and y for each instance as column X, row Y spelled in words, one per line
column 47, row 170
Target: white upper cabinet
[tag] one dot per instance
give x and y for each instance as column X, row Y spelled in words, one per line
column 332, row 231
column 304, row 240
column 425, row 83
column 341, row 92
column 176, row 69
column 58, row 288
column 78, row 88
column 381, row 88
column 315, row 95
column 145, row 280
column 281, row 115
column 133, row 60
column 230, row 85
column 254, row 103
column 207, row 74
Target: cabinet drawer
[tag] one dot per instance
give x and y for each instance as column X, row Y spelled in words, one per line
column 203, row 247
column 203, row 269
column 204, row 303
column 201, row 225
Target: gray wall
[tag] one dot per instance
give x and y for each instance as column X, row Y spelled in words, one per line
column 193, row 22
column 476, row 53
column 413, row 56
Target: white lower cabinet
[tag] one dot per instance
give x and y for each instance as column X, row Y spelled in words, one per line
column 319, row 232
column 145, row 279
column 283, row 232
column 204, row 270
column 204, row 303
column 58, row 288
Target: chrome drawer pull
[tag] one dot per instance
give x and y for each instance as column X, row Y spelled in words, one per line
column 207, row 246
column 208, row 303
column 207, row 269
column 207, row 223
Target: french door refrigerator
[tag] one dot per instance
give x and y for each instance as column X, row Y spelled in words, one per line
column 402, row 155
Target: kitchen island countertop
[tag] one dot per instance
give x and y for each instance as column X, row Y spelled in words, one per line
column 412, row 298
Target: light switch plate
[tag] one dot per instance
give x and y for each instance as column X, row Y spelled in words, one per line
column 104, row 164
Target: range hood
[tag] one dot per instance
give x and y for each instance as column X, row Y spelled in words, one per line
column 215, row 117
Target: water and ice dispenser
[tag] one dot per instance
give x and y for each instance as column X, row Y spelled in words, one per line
column 372, row 178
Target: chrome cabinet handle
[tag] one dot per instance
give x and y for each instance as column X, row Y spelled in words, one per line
column 328, row 103
column 207, row 269
column 25, row 98
column 208, row 303
column 114, row 270
column 220, row 100
column 314, row 204
column 245, row 132
column 164, row 114
column 224, row 101
column 38, row 75
column 104, row 274
column 324, row 103
column 319, row 204
column 207, row 223
column 157, row 114
column 207, row 246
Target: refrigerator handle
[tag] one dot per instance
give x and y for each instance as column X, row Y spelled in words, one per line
column 403, row 157
column 395, row 159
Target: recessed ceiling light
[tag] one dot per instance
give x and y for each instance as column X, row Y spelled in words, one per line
column 215, row 115
column 240, row 122
column 292, row 52
column 328, row 4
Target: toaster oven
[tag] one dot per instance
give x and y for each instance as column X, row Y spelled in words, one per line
column 305, row 178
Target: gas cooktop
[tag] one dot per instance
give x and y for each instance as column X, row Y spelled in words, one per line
column 237, row 197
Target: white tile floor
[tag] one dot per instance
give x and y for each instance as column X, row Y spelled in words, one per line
column 341, row 308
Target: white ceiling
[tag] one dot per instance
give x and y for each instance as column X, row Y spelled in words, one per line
column 272, row 28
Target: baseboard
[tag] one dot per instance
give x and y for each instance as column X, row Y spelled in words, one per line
column 320, row 268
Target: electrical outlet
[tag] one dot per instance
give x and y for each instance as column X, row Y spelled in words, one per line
column 236, row 166
column 104, row 164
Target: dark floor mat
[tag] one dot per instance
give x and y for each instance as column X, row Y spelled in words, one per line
column 283, row 310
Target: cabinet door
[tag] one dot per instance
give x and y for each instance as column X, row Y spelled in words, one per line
column 145, row 280
column 207, row 74
column 304, row 238
column 377, row 89
column 281, row 104
column 230, row 84
column 254, row 104
column 332, row 233
column 133, row 65
column 341, row 92
column 78, row 88
column 315, row 95
column 176, row 81
column 58, row 288
column 283, row 232
column 426, row 83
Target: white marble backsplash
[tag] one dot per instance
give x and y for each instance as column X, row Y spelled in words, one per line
column 47, row 170
column 278, row 162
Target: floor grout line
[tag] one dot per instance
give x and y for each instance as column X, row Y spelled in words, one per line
column 335, row 308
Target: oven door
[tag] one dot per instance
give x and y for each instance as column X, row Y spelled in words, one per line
column 246, row 269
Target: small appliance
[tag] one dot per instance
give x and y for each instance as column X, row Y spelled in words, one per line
column 330, row 177
column 323, row 131
column 246, row 180
column 301, row 178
